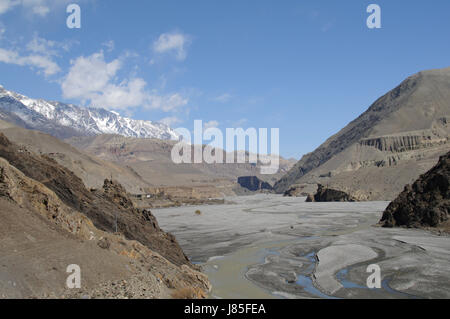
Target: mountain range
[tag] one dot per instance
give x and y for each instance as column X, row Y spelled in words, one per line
column 67, row 120
column 399, row 137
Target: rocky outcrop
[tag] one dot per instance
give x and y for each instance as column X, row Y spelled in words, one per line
column 109, row 209
column 253, row 183
column 331, row 195
column 426, row 203
column 295, row 191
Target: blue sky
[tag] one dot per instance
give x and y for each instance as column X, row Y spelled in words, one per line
column 306, row 67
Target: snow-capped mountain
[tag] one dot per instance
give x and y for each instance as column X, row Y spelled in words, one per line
column 67, row 120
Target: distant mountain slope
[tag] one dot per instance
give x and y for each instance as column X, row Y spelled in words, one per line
column 66, row 120
column 398, row 138
column 151, row 159
column 90, row 169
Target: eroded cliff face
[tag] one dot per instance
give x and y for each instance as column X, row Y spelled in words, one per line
column 406, row 142
column 426, row 203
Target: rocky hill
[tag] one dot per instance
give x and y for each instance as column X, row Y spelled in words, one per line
column 41, row 234
column 109, row 209
column 398, row 138
column 426, row 203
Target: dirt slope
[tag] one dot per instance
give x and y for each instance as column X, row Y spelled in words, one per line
column 106, row 208
column 41, row 236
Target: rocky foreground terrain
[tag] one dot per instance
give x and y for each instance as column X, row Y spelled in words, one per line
column 50, row 220
column 400, row 137
column 426, row 203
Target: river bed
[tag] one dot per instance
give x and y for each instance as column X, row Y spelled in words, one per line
column 269, row 246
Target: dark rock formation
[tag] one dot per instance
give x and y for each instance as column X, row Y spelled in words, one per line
column 109, row 209
column 331, row 195
column 310, row 199
column 253, row 183
column 424, row 204
column 296, row 191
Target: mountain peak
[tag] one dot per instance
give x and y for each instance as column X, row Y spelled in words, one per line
column 67, row 120
column 406, row 127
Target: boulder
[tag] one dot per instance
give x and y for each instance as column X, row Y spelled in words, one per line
column 325, row 194
column 426, row 203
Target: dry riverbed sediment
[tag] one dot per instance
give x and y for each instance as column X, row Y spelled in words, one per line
column 268, row 246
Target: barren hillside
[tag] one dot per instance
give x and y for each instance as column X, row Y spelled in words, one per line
column 42, row 233
column 151, row 159
column 398, row 138
column 90, row 169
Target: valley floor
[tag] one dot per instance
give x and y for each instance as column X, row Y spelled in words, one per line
column 268, row 246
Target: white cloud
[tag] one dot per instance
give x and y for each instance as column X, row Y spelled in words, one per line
column 43, row 63
column 48, row 47
column 39, row 53
column 93, row 79
column 35, row 7
column 326, row 27
column 88, row 76
column 6, row 5
column 109, row 45
column 166, row 103
column 240, row 123
column 127, row 94
column 40, row 10
column 42, row 46
column 223, row 98
column 210, row 124
column 172, row 43
column 171, row 120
